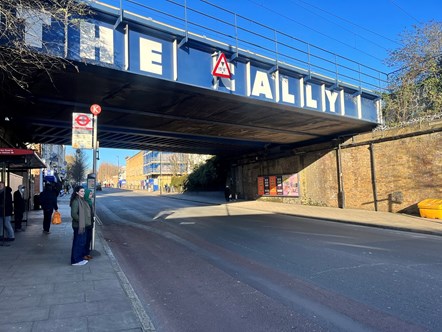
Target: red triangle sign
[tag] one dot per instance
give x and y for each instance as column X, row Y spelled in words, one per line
column 222, row 67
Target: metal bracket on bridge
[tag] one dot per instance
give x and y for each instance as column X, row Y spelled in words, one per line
column 336, row 87
column 273, row 69
column 183, row 41
column 308, row 78
column 233, row 57
column 357, row 93
column 119, row 20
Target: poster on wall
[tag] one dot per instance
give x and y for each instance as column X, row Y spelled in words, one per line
column 266, row 186
column 272, row 184
column 290, row 185
column 278, row 185
column 260, row 185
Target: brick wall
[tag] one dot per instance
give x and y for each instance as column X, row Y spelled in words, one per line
column 406, row 163
column 134, row 171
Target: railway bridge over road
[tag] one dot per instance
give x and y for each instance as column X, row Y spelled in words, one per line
column 193, row 83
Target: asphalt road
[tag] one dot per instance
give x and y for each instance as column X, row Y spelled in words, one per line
column 197, row 267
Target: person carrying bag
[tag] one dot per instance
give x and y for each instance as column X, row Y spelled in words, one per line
column 56, row 218
column 48, row 201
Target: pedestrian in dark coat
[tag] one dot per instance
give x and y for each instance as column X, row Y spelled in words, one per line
column 48, row 202
column 81, row 214
column 227, row 193
column 19, row 207
column 6, row 212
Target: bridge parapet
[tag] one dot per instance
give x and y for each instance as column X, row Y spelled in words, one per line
column 262, row 63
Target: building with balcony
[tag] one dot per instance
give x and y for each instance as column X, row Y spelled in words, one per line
column 154, row 170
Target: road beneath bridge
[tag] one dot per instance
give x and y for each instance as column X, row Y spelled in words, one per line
column 198, row 267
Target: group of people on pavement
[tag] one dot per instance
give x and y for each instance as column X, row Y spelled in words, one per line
column 17, row 203
column 8, row 205
column 82, row 213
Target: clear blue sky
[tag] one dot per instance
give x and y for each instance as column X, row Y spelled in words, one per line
column 112, row 156
column 361, row 30
column 364, row 31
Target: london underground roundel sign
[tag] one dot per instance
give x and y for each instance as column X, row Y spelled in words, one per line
column 82, row 120
column 95, row 109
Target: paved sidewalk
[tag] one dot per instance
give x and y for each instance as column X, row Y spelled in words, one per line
column 41, row 291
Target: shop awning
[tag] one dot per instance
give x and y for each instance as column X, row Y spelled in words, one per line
column 19, row 159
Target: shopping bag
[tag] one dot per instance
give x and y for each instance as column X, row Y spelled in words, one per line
column 56, row 218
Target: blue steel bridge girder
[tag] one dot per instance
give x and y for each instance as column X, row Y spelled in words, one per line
column 158, row 95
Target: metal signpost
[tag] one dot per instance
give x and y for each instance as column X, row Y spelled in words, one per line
column 95, row 110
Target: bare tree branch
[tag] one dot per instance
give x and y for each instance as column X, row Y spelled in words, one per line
column 22, row 48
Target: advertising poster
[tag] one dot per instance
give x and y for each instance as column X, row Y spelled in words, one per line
column 290, row 185
column 279, row 185
column 272, row 183
column 266, row 186
column 279, row 188
column 260, row 186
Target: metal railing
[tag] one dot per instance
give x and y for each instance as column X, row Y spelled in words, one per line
column 245, row 35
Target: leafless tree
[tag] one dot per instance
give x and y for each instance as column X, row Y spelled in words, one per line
column 107, row 171
column 22, row 49
column 416, row 88
column 175, row 164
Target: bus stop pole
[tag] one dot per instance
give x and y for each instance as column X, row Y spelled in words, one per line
column 94, row 171
column 95, row 110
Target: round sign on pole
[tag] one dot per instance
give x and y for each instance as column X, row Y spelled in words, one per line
column 83, row 120
column 95, row 109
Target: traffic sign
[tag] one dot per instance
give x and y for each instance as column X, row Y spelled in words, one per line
column 95, row 109
column 82, row 128
column 82, row 121
column 221, row 68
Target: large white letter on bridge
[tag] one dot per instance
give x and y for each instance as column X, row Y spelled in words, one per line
column 313, row 103
column 34, row 20
column 331, row 96
column 262, row 85
column 151, row 56
column 88, row 42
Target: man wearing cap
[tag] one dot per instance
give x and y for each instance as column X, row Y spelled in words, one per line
column 19, row 207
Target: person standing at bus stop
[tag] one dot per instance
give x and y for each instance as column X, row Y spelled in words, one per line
column 81, row 214
column 48, row 202
column 6, row 211
column 19, row 207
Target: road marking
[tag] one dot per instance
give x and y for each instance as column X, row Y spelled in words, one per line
column 356, row 246
column 164, row 214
